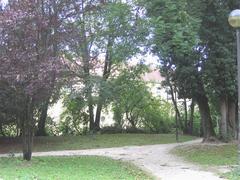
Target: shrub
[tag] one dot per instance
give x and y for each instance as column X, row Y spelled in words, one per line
column 111, row 130
column 157, row 117
column 10, row 130
column 135, row 130
column 74, row 120
column 197, row 124
column 51, row 127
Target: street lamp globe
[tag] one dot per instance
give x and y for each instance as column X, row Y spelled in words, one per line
column 234, row 18
column 234, row 21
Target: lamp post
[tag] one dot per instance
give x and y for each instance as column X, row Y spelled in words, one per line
column 234, row 21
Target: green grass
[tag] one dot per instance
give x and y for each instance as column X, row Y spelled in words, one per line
column 233, row 175
column 91, row 142
column 64, row 168
column 212, row 155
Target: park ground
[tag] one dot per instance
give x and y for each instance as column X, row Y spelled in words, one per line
column 54, row 143
column 133, row 156
column 219, row 157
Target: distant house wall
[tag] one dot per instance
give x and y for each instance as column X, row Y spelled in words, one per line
column 154, row 81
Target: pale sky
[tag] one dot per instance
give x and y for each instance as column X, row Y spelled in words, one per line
column 3, row 1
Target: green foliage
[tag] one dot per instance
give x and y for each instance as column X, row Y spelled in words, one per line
column 219, row 39
column 118, row 116
column 74, row 119
column 124, row 26
column 197, row 123
column 131, row 96
column 106, row 38
column 51, row 126
column 158, row 116
column 85, row 167
column 175, row 30
column 134, row 106
column 10, row 130
column 195, row 45
column 215, row 114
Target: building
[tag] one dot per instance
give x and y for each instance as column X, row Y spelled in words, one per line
column 154, row 81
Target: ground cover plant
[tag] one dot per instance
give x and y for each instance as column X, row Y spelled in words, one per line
column 212, row 155
column 233, row 175
column 83, row 167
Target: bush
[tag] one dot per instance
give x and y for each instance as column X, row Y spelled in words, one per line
column 51, row 127
column 197, row 124
column 111, row 130
column 10, row 130
column 74, row 120
column 135, row 130
column 118, row 130
column 157, row 117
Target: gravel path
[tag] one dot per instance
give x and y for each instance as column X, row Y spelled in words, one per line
column 154, row 159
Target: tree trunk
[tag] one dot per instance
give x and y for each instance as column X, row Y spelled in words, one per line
column 174, row 101
column 237, row 122
column 191, row 117
column 224, row 118
column 206, row 120
column 28, row 131
column 91, row 113
column 86, row 68
column 42, row 119
column 177, row 127
column 133, row 124
column 185, row 117
column 106, row 74
column 87, row 78
column 232, row 119
column 131, row 120
column 98, row 116
column 1, row 130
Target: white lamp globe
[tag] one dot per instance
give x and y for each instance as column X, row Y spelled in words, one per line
column 234, row 18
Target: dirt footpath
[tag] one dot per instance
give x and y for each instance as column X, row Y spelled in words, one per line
column 154, row 159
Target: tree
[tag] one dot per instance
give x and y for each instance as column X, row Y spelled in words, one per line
column 29, row 62
column 220, row 68
column 175, row 32
column 203, row 70
column 131, row 96
column 106, row 35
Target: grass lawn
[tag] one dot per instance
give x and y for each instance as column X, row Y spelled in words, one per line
column 63, row 168
column 234, row 175
column 213, row 155
column 90, row 141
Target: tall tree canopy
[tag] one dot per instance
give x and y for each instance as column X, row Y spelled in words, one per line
column 195, row 46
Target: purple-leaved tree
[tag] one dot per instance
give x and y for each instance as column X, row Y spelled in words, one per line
column 30, row 62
